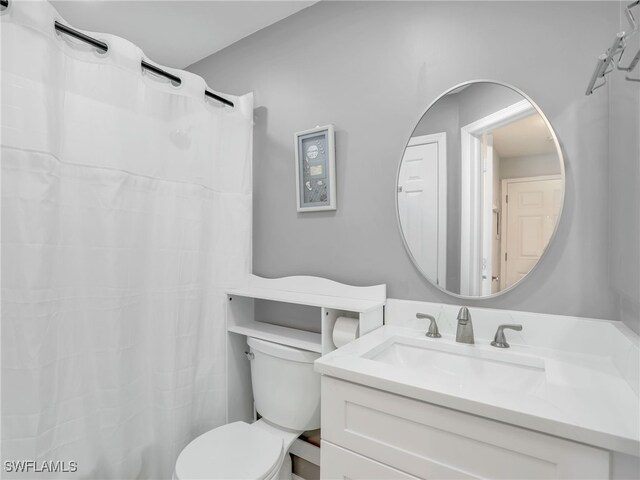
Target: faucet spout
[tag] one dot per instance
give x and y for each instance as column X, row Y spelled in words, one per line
column 463, row 315
column 464, row 333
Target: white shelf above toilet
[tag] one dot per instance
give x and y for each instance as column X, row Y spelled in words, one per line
column 314, row 292
column 283, row 335
column 328, row 300
column 313, row 300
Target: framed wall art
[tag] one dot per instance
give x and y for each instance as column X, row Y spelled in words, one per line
column 315, row 169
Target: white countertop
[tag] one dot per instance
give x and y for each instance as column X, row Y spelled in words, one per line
column 583, row 397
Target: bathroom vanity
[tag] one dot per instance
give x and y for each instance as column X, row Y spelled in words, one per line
column 562, row 402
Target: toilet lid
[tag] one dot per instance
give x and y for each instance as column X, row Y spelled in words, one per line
column 236, row 450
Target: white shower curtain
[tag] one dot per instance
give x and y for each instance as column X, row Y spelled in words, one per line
column 126, row 212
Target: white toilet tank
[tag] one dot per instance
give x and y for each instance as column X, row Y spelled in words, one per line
column 286, row 390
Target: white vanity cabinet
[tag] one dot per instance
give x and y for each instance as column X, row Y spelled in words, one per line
column 368, row 433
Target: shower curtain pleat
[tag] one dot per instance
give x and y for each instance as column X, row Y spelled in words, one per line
column 126, row 213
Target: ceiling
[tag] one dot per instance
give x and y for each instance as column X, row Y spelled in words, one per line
column 527, row 136
column 177, row 33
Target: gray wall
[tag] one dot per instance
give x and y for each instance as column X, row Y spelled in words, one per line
column 301, row 317
column 371, row 68
column 624, row 185
column 478, row 101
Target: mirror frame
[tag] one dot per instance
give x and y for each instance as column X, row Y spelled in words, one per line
column 562, row 173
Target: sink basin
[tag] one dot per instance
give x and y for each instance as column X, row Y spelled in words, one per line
column 462, row 367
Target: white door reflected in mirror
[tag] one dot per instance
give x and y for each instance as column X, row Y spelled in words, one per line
column 422, row 202
column 480, row 189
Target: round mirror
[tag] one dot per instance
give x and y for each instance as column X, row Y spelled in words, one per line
column 480, row 189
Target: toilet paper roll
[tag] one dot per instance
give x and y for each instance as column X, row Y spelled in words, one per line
column 345, row 330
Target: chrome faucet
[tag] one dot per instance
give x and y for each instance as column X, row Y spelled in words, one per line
column 500, row 340
column 433, row 326
column 464, row 334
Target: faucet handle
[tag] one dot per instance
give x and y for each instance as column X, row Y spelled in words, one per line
column 433, row 331
column 500, row 340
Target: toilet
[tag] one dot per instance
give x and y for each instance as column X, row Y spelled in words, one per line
column 286, row 392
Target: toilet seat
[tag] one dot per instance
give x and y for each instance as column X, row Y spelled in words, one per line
column 234, row 451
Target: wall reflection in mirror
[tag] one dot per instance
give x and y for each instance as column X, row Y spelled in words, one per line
column 480, row 189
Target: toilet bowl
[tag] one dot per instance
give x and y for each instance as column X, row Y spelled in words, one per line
column 286, row 392
column 236, row 451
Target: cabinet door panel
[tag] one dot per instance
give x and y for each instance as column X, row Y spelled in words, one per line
column 338, row 463
column 430, row 441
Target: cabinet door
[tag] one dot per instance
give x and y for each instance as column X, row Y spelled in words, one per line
column 431, row 442
column 339, row 463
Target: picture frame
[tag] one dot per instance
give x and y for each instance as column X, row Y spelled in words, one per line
column 315, row 161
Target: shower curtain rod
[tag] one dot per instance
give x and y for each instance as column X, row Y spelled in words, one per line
column 102, row 46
